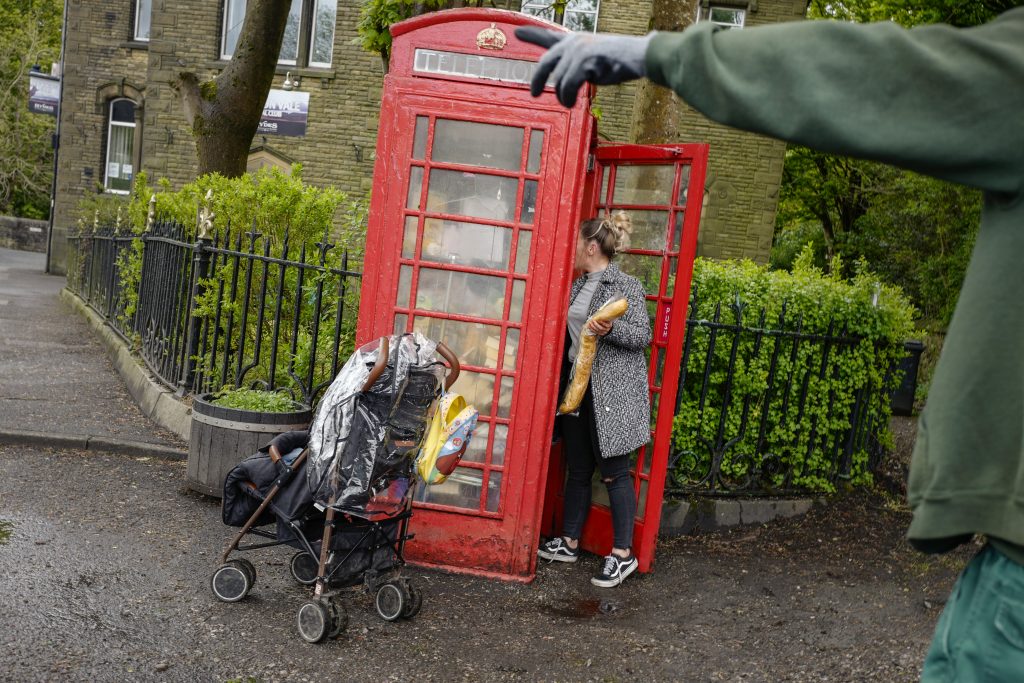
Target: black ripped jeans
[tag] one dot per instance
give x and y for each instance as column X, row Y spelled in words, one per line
column 582, row 455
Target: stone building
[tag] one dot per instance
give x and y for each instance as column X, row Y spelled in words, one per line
column 120, row 115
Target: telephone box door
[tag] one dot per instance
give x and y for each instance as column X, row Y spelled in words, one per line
column 661, row 187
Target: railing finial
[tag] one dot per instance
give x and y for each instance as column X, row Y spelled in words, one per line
column 151, row 214
column 117, row 221
column 206, row 215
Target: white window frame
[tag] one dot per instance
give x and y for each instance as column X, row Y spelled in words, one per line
column 298, row 36
column 121, row 124
column 139, row 4
column 312, row 34
column 739, row 12
column 544, row 10
column 226, row 55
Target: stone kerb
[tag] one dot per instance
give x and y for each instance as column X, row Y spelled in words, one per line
column 681, row 517
column 156, row 401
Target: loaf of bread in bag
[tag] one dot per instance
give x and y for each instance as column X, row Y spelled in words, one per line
column 581, row 367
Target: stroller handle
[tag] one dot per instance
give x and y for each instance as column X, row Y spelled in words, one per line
column 447, row 354
column 382, row 357
column 379, row 366
column 382, row 363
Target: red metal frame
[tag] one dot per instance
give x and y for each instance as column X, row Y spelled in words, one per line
column 669, row 333
column 500, row 543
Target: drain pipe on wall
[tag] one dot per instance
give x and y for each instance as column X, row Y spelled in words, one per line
column 56, row 135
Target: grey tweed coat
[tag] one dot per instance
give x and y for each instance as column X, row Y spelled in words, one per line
column 618, row 381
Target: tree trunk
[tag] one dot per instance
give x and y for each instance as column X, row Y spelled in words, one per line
column 224, row 113
column 658, row 110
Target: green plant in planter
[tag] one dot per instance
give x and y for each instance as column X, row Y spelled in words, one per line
column 255, row 400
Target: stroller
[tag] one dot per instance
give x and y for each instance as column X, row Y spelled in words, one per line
column 346, row 500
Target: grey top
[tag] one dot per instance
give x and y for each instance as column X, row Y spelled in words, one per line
column 578, row 311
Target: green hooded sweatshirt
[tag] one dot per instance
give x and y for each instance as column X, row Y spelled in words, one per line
column 944, row 102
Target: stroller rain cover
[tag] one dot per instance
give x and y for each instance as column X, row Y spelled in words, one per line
column 362, row 443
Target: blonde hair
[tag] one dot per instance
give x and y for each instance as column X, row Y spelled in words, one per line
column 611, row 232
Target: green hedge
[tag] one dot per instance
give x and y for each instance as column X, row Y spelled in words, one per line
column 877, row 315
column 274, row 204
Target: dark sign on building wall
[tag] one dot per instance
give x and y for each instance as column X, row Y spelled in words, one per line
column 285, row 113
column 43, row 94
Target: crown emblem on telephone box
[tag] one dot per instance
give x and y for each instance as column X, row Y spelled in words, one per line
column 491, row 39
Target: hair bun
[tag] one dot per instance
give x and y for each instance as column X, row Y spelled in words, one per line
column 621, row 226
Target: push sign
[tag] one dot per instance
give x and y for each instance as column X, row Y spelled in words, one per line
column 664, row 324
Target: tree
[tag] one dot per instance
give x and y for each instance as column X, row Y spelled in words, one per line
column 914, row 231
column 657, row 112
column 224, row 113
column 377, row 16
column 911, row 12
column 31, row 36
column 831, row 190
column 919, row 234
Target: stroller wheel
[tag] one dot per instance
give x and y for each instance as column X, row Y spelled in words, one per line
column 304, row 568
column 392, row 598
column 339, row 617
column 412, row 608
column 248, row 569
column 314, row 621
column 231, row 582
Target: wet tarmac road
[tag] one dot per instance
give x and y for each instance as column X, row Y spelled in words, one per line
column 105, row 562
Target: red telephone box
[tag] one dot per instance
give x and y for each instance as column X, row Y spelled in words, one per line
column 478, row 192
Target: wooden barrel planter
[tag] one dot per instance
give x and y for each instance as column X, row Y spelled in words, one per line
column 223, row 437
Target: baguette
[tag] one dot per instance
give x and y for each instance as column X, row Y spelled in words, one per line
column 581, row 367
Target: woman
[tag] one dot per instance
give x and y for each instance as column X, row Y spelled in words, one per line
column 615, row 416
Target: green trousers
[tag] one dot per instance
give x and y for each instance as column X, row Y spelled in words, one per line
column 980, row 635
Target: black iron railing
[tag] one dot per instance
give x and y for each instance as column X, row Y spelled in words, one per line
column 761, row 409
column 230, row 310
column 772, row 409
column 94, row 273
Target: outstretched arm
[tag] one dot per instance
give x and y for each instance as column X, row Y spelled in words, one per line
column 934, row 99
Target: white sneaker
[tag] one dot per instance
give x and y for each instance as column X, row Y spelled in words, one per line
column 615, row 570
column 557, row 550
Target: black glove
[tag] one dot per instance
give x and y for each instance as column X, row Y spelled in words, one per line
column 602, row 59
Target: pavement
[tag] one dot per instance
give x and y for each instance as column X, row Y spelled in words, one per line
column 105, row 559
column 58, row 386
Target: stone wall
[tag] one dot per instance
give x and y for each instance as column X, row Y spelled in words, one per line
column 101, row 63
column 23, row 234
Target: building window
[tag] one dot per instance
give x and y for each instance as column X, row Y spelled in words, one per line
column 321, row 46
column 310, row 30
column 143, row 10
column 726, row 17
column 119, row 168
column 577, row 15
